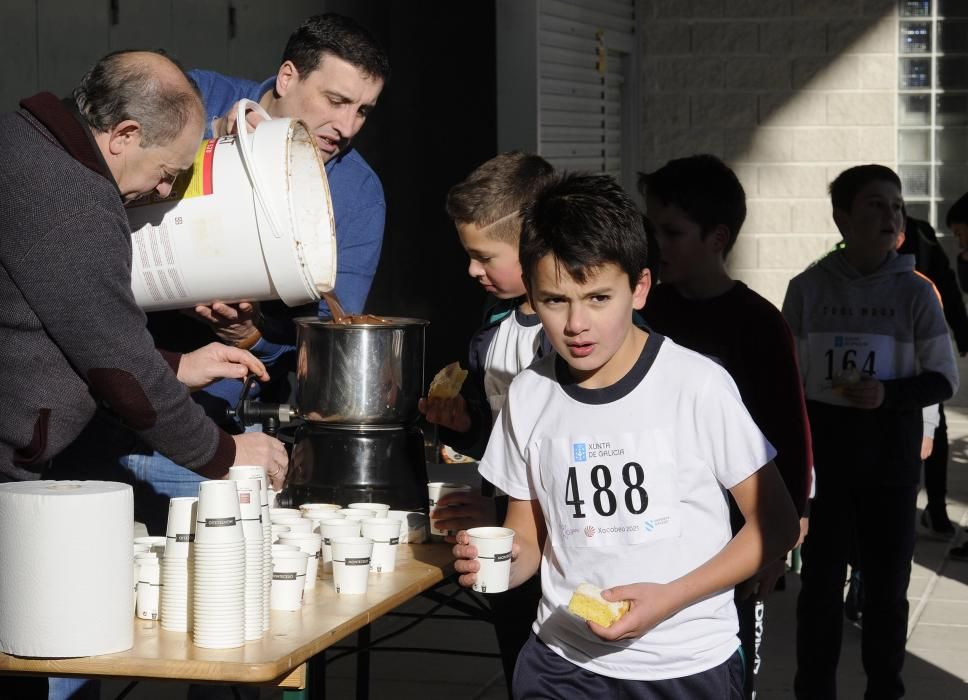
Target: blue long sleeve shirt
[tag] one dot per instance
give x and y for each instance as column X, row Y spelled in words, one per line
column 358, row 207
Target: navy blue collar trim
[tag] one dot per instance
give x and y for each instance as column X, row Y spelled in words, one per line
column 620, row 389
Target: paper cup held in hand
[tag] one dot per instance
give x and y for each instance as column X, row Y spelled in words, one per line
column 437, row 490
column 494, row 554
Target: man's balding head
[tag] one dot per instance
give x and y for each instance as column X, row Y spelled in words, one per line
column 144, row 86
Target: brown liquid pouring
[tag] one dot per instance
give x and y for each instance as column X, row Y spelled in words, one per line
column 340, row 315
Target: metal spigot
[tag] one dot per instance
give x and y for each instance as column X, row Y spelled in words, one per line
column 250, row 411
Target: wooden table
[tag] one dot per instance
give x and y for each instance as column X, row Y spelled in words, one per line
column 279, row 657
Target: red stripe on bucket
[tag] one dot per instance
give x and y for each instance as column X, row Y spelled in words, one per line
column 207, row 167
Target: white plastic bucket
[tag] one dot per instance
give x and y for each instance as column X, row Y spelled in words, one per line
column 253, row 220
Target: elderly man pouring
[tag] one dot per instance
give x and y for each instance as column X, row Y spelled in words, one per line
column 75, row 358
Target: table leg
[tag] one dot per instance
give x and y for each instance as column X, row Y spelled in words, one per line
column 363, row 664
column 316, row 676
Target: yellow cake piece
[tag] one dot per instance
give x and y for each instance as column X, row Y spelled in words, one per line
column 447, row 382
column 587, row 603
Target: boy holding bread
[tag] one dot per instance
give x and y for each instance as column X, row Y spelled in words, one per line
column 617, row 450
column 485, row 208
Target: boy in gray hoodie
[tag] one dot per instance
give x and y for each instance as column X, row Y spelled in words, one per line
column 873, row 350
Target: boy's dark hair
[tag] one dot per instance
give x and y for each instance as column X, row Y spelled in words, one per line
column 496, row 190
column 844, row 188
column 340, row 36
column 706, row 190
column 585, row 221
column 958, row 214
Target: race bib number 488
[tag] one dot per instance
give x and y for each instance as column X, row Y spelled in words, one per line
column 611, row 490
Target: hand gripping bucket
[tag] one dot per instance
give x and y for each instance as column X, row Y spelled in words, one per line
column 252, row 220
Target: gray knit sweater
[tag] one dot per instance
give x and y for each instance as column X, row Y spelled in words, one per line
column 71, row 335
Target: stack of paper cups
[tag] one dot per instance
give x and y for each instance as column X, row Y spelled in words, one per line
column 219, row 576
column 256, row 472
column 176, row 567
column 250, row 506
column 65, row 558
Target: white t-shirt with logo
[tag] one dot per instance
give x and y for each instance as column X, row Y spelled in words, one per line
column 512, row 349
column 632, row 482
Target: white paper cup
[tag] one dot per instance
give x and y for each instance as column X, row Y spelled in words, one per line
column 288, row 580
column 295, row 524
column 278, row 530
column 218, row 516
column 284, row 512
column 385, row 534
column 435, row 491
column 155, row 544
column 414, row 525
column 180, row 535
column 380, row 510
column 494, row 554
column 285, row 548
column 250, row 497
column 310, row 543
column 149, row 590
column 337, row 527
column 252, row 472
column 351, row 564
column 332, row 507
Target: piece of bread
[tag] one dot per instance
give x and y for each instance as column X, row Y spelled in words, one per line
column 447, row 382
column 587, row 603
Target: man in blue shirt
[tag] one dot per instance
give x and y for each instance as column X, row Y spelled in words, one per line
column 331, row 76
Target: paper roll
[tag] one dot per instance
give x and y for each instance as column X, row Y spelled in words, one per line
column 65, row 554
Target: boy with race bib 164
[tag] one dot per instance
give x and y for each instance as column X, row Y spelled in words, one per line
column 617, row 451
column 874, row 350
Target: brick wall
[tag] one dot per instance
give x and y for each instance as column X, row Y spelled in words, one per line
column 789, row 93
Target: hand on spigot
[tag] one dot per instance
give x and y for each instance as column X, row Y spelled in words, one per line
column 199, row 368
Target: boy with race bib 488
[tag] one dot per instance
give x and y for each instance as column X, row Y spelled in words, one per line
column 617, row 451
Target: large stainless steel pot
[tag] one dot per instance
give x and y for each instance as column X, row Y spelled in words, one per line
column 360, row 373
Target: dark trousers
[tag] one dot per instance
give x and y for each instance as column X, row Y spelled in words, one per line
column 936, row 465
column 543, row 675
column 514, row 612
column 882, row 517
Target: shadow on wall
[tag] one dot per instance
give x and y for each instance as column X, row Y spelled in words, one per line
column 713, row 77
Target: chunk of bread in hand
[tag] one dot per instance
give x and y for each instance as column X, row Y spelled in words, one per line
column 587, row 603
column 447, row 382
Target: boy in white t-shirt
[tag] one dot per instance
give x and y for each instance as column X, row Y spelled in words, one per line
column 616, row 451
column 485, row 208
